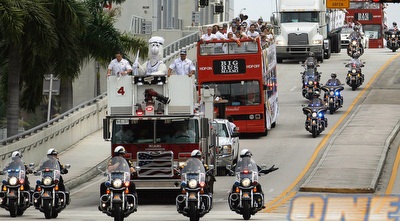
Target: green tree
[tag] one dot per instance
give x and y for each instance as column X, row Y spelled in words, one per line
column 25, row 27
column 41, row 37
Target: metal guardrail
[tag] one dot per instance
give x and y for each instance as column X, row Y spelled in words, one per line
column 180, row 43
column 52, row 121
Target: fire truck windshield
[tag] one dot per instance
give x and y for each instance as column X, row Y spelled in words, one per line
column 156, row 131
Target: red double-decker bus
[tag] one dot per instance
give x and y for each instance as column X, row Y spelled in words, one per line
column 243, row 74
column 371, row 16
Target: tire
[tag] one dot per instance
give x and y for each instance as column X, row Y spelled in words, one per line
column 118, row 216
column 314, row 131
column 273, row 125
column 54, row 214
column 353, row 87
column 279, row 60
column 246, row 210
column 331, row 109
column 328, row 54
column 47, row 209
column 12, row 207
column 193, row 211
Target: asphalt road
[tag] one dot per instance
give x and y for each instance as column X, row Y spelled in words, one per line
column 289, row 146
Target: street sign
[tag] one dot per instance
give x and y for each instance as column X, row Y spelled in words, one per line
column 338, row 3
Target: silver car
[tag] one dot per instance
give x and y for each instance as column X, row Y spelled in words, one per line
column 228, row 145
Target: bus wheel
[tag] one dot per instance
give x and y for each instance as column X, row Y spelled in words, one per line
column 265, row 133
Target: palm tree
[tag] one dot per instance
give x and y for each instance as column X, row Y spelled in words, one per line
column 25, row 26
column 53, row 37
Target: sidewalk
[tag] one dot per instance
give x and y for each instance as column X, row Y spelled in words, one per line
column 84, row 157
column 354, row 158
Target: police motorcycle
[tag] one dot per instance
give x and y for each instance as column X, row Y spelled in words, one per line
column 315, row 117
column 332, row 96
column 246, row 197
column 392, row 39
column 355, row 77
column 310, row 81
column 48, row 197
column 15, row 192
column 355, row 47
column 118, row 201
column 195, row 200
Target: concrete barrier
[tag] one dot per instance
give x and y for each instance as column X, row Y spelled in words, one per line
column 61, row 132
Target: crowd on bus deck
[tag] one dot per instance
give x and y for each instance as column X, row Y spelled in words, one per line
column 241, row 28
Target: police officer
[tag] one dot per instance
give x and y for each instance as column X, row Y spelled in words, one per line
column 182, row 65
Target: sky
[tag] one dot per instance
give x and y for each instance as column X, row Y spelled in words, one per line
column 264, row 8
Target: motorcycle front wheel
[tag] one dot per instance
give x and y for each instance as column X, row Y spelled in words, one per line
column 193, row 211
column 47, row 209
column 118, row 216
column 246, row 210
column 13, row 208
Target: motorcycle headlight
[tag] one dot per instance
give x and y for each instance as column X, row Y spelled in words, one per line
column 226, row 149
column 117, row 183
column 246, row 182
column 393, row 36
column 314, row 114
column 47, row 181
column 192, row 184
column 354, row 43
column 310, row 82
column 13, row 181
column 331, row 93
column 353, row 71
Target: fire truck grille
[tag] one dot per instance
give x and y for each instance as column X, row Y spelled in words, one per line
column 298, row 39
column 156, row 163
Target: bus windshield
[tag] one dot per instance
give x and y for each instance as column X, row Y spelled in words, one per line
column 237, row 93
column 155, row 131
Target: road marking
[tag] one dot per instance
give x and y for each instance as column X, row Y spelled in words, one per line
column 289, row 192
column 293, row 88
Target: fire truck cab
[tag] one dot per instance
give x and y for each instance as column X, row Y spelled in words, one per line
column 159, row 120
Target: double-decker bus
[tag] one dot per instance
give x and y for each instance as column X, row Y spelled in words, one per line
column 243, row 74
column 371, row 17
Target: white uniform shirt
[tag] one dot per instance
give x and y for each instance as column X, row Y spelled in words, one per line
column 182, row 67
column 118, row 67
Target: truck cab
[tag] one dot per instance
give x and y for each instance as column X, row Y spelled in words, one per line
column 228, row 145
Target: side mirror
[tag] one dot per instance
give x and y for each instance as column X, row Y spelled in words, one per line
column 67, row 166
column 235, row 134
column 31, row 166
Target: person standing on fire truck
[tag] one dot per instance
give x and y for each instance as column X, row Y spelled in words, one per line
column 182, row 65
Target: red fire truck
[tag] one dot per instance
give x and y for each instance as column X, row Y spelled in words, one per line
column 159, row 122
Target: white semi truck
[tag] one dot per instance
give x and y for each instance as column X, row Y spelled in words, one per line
column 305, row 26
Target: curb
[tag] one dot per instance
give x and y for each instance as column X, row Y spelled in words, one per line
column 84, row 177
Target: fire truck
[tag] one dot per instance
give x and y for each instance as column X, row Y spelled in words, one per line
column 159, row 120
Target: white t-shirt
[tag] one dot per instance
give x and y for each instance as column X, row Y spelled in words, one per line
column 207, row 37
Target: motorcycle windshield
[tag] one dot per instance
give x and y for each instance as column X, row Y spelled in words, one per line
column 118, row 168
column 50, row 167
column 309, row 75
column 15, row 168
column 246, row 168
column 194, row 169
